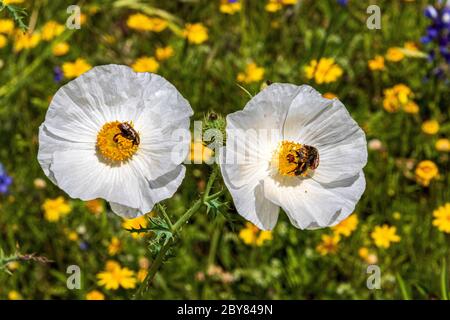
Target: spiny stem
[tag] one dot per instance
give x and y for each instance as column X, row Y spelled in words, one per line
column 175, row 229
column 165, row 215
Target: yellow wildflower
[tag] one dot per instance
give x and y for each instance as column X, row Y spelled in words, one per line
column 8, row 2
column 410, row 45
column 325, row 71
column 141, row 22
column 394, row 54
column 25, row 40
column 6, row 26
column 55, row 209
column 230, row 7
column 430, row 127
column 114, row 276
column 384, row 235
column 142, row 273
column 13, row 265
column 60, row 49
column 252, row 236
column 95, row 206
column 377, row 63
column 136, row 223
column 114, row 246
column 425, row 172
column 72, row 236
column 397, row 97
column 411, row 107
column 276, row 5
column 164, row 53
column 397, row 215
column 200, row 153
column 51, row 29
column 14, row 295
column 252, row 73
column 443, row 145
column 195, row 33
column 145, row 64
column 347, row 226
column 76, row 68
column 442, row 218
column 3, row 41
column 95, row 295
column 328, row 245
column 329, row 95
column 363, row 252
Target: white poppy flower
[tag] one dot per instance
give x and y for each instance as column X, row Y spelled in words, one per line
column 294, row 149
column 109, row 134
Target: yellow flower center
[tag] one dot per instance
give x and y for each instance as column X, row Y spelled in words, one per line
column 295, row 159
column 117, row 145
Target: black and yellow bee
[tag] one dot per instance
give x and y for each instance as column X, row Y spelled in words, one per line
column 128, row 132
column 307, row 157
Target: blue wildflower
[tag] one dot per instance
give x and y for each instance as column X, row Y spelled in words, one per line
column 438, row 32
column 57, row 74
column 342, row 3
column 5, row 181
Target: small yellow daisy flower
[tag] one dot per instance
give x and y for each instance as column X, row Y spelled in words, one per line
column 377, row 63
column 14, row 295
column 397, row 97
column 51, row 29
column 6, row 26
column 3, row 41
column 230, row 6
column 394, row 54
column 347, row 226
column 142, row 273
column 95, row 295
column 425, row 172
column 115, row 246
column 114, row 276
column 329, row 244
column 329, row 95
column 384, row 235
column 200, row 153
column 252, row 236
column 443, row 145
column 76, row 68
column 195, row 33
column 136, row 223
column 95, row 206
column 252, row 73
column 26, row 40
column 442, row 218
column 145, row 64
column 141, row 22
column 164, row 53
column 411, row 107
column 430, row 127
column 60, row 49
column 55, row 209
column 8, row 2
column 324, row 71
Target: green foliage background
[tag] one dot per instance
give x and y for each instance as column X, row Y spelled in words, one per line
column 288, row 267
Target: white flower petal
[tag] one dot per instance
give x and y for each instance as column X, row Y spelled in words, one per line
column 310, row 205
column 248, row 194
column 327, row 125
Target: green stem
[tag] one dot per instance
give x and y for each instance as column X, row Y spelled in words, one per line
column 175, row 229
column 165, row 215
column 215, row 241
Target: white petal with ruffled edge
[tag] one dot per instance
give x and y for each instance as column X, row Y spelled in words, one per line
column 67, row 138
column 301, row 115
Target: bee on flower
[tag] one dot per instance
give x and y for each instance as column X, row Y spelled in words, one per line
column 294, row 149
column 116, row 135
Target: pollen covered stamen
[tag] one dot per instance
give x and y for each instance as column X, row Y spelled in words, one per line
column 294, row 159
column 113, row 145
